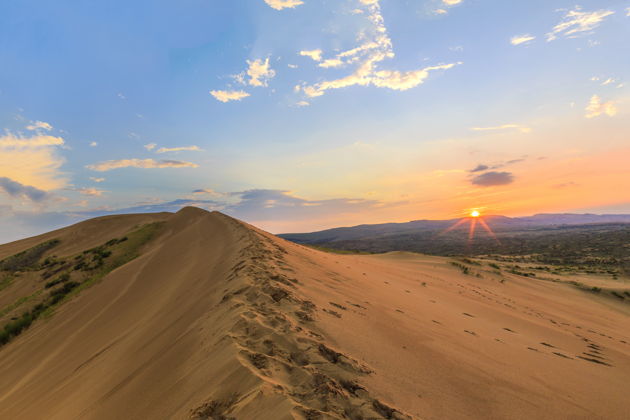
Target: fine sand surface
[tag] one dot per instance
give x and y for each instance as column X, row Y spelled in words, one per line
column 216, row 319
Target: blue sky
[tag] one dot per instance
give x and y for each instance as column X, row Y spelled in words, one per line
column 298, row 115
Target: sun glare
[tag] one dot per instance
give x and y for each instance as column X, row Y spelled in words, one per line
column 475, row 213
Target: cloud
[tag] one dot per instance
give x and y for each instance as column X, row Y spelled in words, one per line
column 150, row 146
column 12, row 141
column 264, row 205
column 577, row 22
column 284, row 4
column 97, row 180
column 208, row 191
column 259, row 72
column 39, row 125
column 375, row 48
column 596, row 107
column 521, row 128
column 32, row 160
column 452, row 2
column 331, row 62
column 521, row 39
column 229, row 95
column 313, row 54
column 93, row 144
column 479, row 168
column 93, row 192
column 109, row 165
column 490, row 179
column 440, row 11
column 17, row 190
column 178, row 149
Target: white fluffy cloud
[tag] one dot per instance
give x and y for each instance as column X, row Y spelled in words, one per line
column 229, row 95
column 259, row 72
column 521, row 39
column 452, row 2
column 576, row 22
column 596, row 107
column 314, row 54
column 283, row 4
column 109, row 165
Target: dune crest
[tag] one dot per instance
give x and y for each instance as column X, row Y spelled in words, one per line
column 216, row 319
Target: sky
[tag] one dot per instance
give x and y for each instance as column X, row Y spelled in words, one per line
column 300, row 115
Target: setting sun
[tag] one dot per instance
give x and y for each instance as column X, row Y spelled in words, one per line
column 475, row 213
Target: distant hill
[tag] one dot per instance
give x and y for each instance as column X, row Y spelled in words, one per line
column 589, row 241
column 498, row 223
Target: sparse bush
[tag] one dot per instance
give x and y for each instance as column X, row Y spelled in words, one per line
column 61, row 279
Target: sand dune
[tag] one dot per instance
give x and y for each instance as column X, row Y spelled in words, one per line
column 218, row 320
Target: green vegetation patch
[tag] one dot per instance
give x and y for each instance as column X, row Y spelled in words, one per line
column 29, row 259
column 74, row 274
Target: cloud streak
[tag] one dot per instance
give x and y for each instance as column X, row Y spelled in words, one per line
column 521, row 39
column 577, row 22
column 179, row 149
column 521, row 128
column 109, row 165
column 229, row 95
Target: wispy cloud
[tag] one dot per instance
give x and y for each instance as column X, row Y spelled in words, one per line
column 367, row 57
column 596, row 107
column 150, row 146
column 452, row 2
column 109, row 165
column 577, row 22
column 93, row 144
column 39, row 125
column 283, row 4
column 18, row 190
column 178, row 149
column 521, row 128
column 229, row 95
column 93, row 192
column 97, row 180
column 208, row 191
column 522, row 39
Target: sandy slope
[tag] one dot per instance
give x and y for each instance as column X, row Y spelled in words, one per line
column 218, row 320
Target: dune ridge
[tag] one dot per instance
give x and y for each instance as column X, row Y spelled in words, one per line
column 216, row 319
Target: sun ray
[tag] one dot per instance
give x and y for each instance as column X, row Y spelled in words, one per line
column 471, row 232
column 459, row 223
column 489, row 230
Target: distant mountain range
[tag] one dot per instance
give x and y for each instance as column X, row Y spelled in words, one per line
column 499, row 224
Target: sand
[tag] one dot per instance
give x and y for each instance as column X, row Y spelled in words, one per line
column 217, row 319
